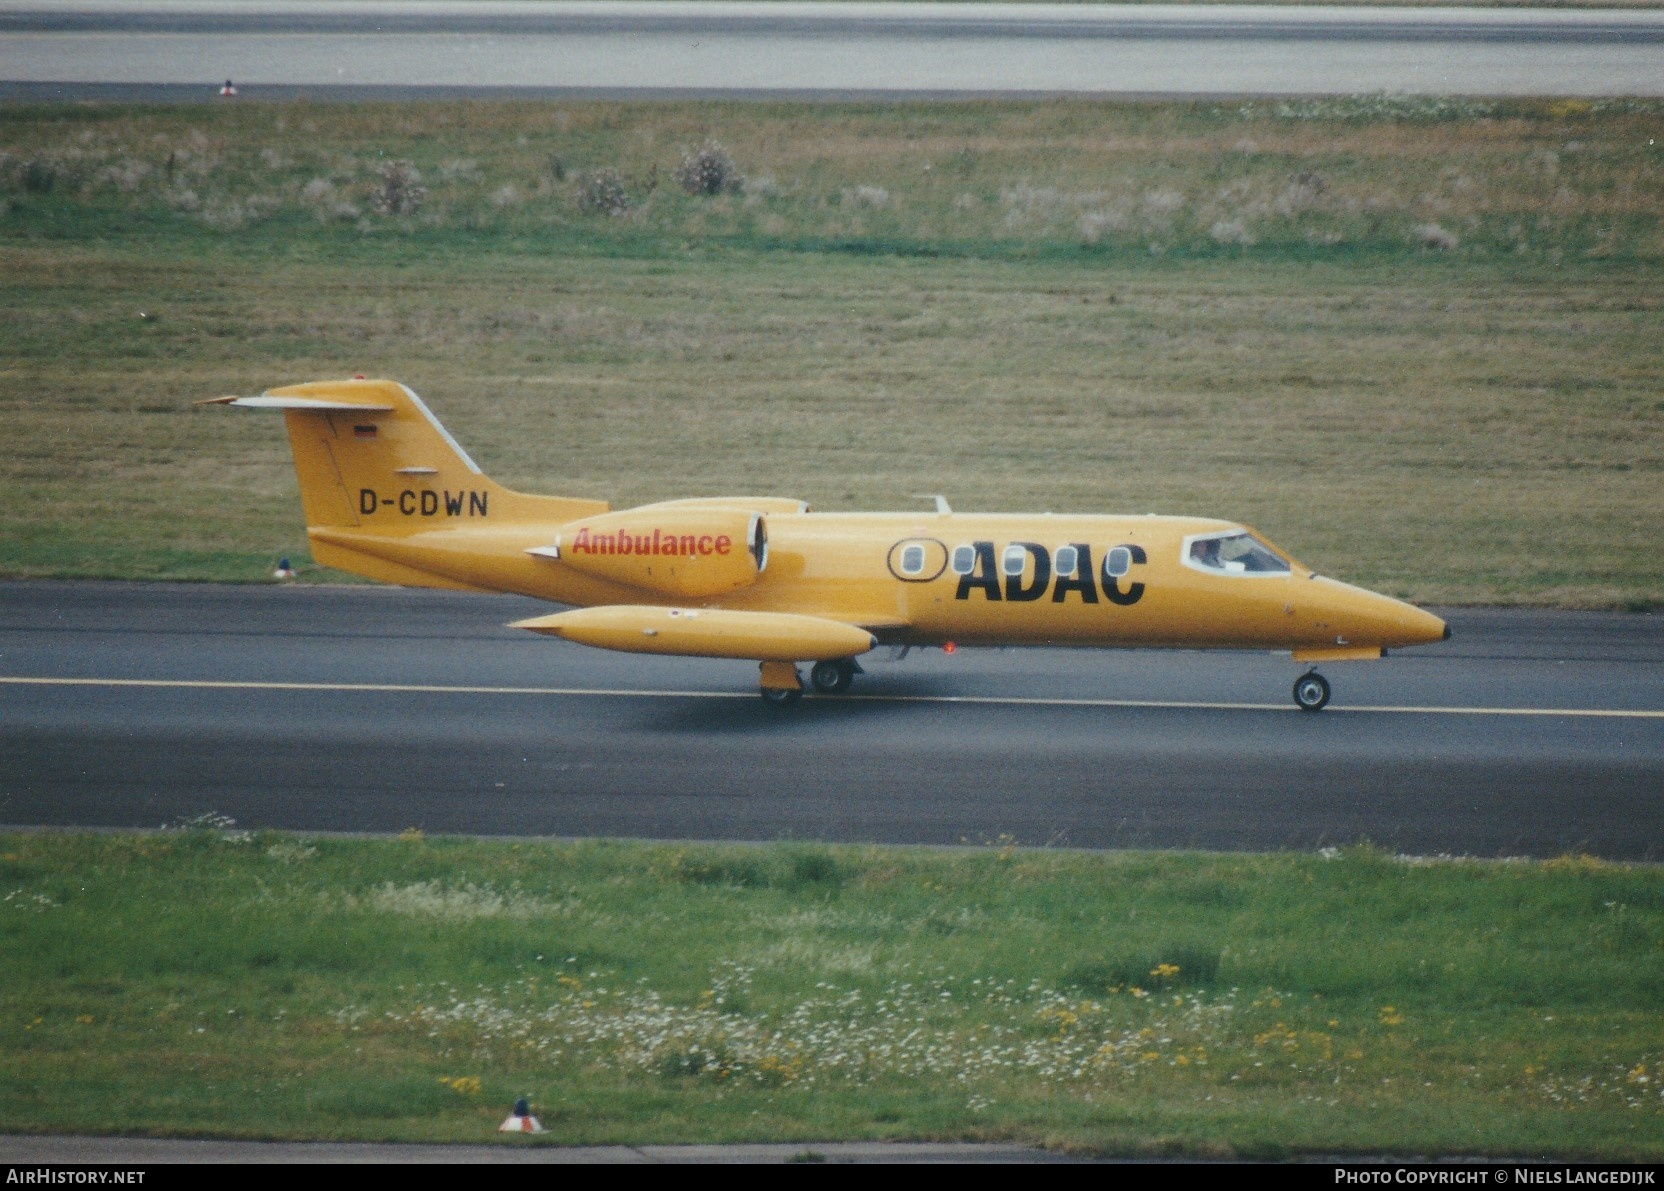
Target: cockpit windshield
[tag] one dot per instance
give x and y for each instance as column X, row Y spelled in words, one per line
column 1233, row 552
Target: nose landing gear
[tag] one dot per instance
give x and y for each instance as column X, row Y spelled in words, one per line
column 1311, row 691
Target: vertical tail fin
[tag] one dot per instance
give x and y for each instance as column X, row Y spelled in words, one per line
column 368, row 452
column 383, row 461
column 370, row 455
column 376, row 469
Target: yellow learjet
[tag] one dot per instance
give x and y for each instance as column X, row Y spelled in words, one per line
column 388, row 494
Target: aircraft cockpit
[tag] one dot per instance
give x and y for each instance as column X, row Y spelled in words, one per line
column 1233, row 552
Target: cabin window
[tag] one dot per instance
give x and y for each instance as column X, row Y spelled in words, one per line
column 1117, row 562
column 1014, row 560
column 1066, row 560
column 1233, row 553
column 964, row 560
column 919, row 560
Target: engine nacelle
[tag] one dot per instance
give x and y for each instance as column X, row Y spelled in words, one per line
column 685, row 552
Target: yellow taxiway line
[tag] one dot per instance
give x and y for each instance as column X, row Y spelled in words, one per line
column 974, row 700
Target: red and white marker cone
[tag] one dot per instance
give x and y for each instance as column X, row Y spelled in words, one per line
column 229, row 90
column 520, row 1120
column 284, row 570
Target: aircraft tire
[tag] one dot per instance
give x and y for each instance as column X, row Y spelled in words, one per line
column 833, row 677
column 780, row 696
column 1311, row 692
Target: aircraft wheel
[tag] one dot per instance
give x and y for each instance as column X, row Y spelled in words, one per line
column 1311, row 692
column 834, row 677
column 781, row 696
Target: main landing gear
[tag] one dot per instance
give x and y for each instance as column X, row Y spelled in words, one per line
column 782, row 685
column 1311, row 691
column 834, row 677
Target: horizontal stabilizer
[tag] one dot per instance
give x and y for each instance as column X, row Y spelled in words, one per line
column 706, row 633
column 300, row 403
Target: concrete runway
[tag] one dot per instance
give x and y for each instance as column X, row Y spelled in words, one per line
column 341, row 49
column 377, row 709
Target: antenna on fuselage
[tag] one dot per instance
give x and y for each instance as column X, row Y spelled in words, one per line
column 942, row 508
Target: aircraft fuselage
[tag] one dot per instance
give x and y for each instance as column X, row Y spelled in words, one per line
column 848, row 567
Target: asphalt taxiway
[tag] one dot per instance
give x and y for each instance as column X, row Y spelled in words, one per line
column 377, row 709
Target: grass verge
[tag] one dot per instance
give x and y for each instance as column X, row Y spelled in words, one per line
column 206, row 981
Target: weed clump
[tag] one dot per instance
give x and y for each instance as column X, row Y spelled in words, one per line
column 792, row 871
column 39, row 176
column 601, row 192
column 690, row 1061
column 327, row 203
column 1173, row 966
column 875, row 197
column 1231, row 231
column 1435, row 236
column 708, row 170
column 400, row 191
column 814, row 868
column 35, row 175
column 733, row 872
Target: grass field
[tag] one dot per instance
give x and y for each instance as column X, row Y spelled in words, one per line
column 1413, row 341
column 210, row 981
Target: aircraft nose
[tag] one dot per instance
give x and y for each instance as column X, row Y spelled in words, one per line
column 1400, row 624
column 1365, row 617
